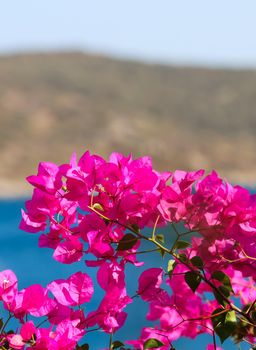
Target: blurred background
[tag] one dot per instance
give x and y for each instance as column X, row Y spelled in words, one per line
column 172, row 79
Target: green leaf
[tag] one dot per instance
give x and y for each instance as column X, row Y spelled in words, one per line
column 223, row 278
column 224, row 290
column 116, row 344
column 253, row 314
column 160, row 237
column 197, row 262
column 218, row 275
column 182, row 257
column 192, row 279
column 219, row 297
column 152, row 343
column 98, row 207
column 170, row 267
column 135, row 228
column 230, row 317
column 127, row 242
column 162, row 252
column 224, row 324
column 181, row 245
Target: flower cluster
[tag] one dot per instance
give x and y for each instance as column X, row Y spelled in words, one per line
column 55, row 304
column 107, row 209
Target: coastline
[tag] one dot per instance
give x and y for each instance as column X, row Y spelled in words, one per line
column 14, row 189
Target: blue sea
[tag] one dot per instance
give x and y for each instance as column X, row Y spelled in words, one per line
column 19, row 251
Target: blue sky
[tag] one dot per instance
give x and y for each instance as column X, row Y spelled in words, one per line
column 219, row 32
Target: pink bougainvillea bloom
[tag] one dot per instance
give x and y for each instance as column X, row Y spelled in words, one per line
column 33, row 298
column 69, row 251
column 109, row 315
column 91, row 206
column 16, row 341
column 8, row 285
column 59, row 313
column 76, row 290
column 28, row 329
column 149, row 283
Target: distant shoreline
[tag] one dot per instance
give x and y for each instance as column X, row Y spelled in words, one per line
column 17, row 189
column 53, row 104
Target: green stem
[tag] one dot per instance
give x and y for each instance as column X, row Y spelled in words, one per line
column 5, row 324
column 110, row 341
column 251, row 307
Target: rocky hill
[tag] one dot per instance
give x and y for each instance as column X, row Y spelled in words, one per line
column 54, row 104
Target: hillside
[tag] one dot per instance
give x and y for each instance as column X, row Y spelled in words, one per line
column 53, row 104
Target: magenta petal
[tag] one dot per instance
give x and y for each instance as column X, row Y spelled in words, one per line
column 69, row 251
